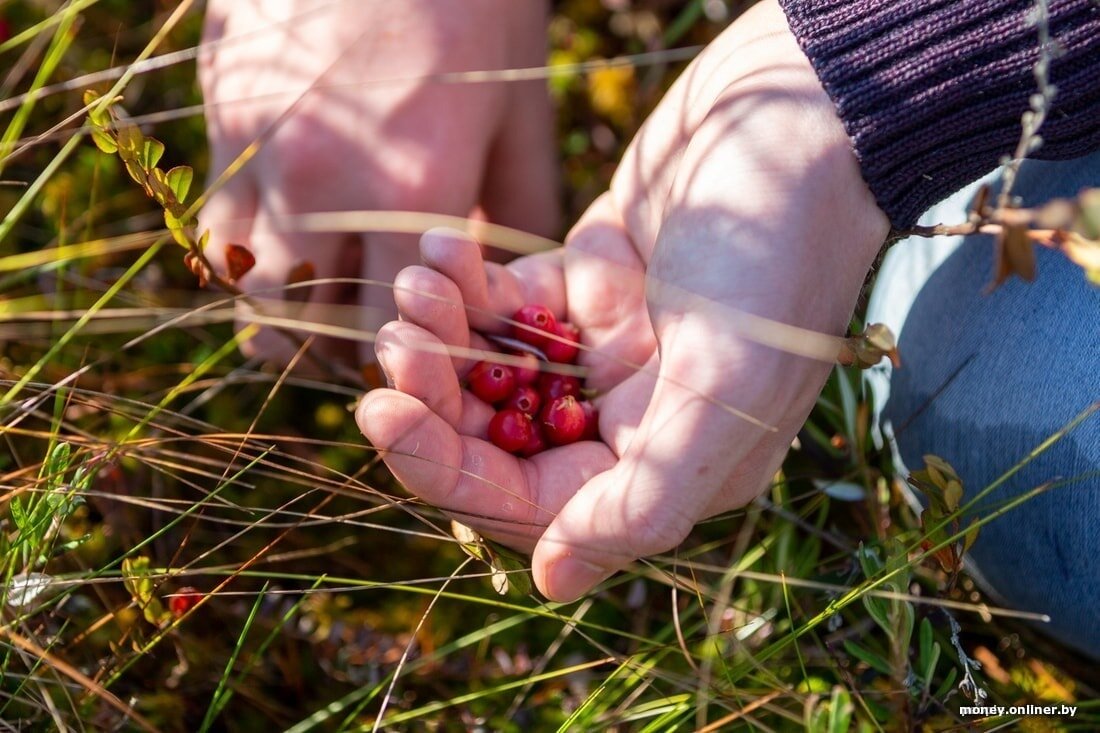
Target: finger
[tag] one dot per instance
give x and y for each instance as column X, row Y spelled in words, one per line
column 489, row 291
column 494, row 292
column 501, row 496
column 416, row 363
column 433, row 301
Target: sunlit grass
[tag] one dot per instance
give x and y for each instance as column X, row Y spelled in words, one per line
column 331, row 599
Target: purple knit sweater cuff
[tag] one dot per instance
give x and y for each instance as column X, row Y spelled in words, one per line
column 932, row 91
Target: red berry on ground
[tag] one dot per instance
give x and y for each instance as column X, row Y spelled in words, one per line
column 591, row 421
column 524, row 399
column 491, row 382
column 537, row 317
column 562, row 421
column 184, row 600
column 510, row 430
column 562, row 352
column 553, row 385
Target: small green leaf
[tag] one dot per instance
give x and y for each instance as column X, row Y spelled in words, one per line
column 872, row 660
column 840, row 710
column 513, row 571
column 925, row 639
column 130, row 142
column 970, row 536
column 104, row 141
column 135, row 170
column 930, row 663
column 179, row 180
column 151, row 153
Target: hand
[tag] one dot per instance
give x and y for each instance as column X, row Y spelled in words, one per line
column 741, row 195
column 367, row 127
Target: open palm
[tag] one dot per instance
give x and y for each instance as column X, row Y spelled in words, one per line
column 739, row 201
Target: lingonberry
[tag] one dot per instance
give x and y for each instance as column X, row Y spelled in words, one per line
column 184, row 600
column 524, row 399
column 491, row 382
column 562, row 420
column 536, row 317
column 563, row 352
column 510, row 430
column 591, row 421
column 553, row 385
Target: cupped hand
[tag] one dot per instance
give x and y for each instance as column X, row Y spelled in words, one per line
column 740, row 200
column 353, row 109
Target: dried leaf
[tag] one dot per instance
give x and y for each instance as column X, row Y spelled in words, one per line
column 25, row 587
column 865, row 350
column 239, row 260
column 1089, row 224
column 302, row 272
column 1082, row 251
column 970, row 536
column 194, row 264
column 469, row 540
column 1014, row 255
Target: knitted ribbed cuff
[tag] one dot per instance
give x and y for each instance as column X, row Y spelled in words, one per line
column 931, row 92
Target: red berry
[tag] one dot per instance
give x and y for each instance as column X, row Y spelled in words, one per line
column 537, row 444
column 553, row 385
column 537, row 317
column 184, row 600
column 524, row 399
column 528, row 372
column 491, row 382
column 591, row 421
column 561, row 352
column 511, row 430
column 562, row 420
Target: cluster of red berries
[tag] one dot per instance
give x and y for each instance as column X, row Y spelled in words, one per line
column 536, row 409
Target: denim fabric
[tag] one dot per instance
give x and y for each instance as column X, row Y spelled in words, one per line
column 986, row 379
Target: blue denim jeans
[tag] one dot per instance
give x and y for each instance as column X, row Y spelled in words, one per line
column 986, row 379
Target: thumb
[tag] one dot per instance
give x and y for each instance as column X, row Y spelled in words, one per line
column 687, row 446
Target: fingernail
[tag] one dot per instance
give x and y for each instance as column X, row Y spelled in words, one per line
column 569, row 578
column 380, row 353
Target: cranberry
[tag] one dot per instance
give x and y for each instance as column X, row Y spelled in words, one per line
column 561, row 352
column 527, row 372
column 524, row 399
column 558, row 385
column 537, row 444
column 591, row 421
column 537, row 317
column 563, row 421
column 184, row 600
column 510, row 430
column 491, row 382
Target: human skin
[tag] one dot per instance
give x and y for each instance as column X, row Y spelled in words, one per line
column 741, row 194
column 361, row 124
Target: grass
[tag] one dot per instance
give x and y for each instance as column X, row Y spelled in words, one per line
column 145, row 457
